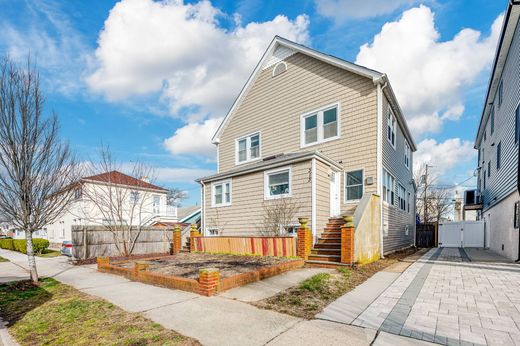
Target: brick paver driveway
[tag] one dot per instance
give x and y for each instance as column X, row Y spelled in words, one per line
column 447, row 299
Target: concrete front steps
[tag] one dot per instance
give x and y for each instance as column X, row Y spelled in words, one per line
column 327, row 250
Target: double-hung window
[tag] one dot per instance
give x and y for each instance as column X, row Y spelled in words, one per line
column 408, row 201
column 320, row 126
column 388, row 187
column 499, row 155
column 500, row 93
column 156, row 203
column 401, row 196
column 221, row 193
column 354, row 185
column 492, row 116
column 248, row 148
column 407, row 153
column 134, row 197
column 277, row 183
column 517, row 124
column 391, row 124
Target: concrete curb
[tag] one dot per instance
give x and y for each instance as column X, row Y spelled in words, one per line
column 5, row 338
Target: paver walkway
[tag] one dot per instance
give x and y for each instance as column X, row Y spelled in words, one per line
column 448, row 299
column 213, row 321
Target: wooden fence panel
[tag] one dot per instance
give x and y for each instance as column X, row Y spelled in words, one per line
column 264, row 246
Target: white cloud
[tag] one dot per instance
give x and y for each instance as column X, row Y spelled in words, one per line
column 341, row 10
column 194, row 138
column 180, row 175
column 181, row 51
column 445, row 155
column 428, row 74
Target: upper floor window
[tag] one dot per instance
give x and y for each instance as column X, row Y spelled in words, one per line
column 517, row 123
column 277, row 183
column 134, row 197
column 248, row 148
column 492, row 116
column 78, row 193
column 407, row 153
column 499, row 154
column 401, row 197
column 354, row 185
column 388, row 187
column 500, row 93
column 320, row 126
column 408, row 201
column 489, row 168
column 156, row 203
column 221, row 193
column 279, row 68
column 391, row 127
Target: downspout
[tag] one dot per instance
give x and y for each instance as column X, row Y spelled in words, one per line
column 313, row 199
column 380, row 160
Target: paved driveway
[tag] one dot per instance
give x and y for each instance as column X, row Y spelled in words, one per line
column 447, row 298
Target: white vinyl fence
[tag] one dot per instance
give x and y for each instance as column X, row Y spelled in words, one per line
column 462, row 234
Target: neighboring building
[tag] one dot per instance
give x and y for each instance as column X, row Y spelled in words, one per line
column 460, row 213
column 141, row 203
column 497, row 141
column 319, row 131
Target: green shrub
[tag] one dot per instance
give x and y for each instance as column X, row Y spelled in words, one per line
column 6, row 244
column 39, row 245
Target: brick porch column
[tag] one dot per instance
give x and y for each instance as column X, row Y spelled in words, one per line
column 177, row 239
column 304, row 241
column 347, row 240
column 209, row 280
column 193, row 233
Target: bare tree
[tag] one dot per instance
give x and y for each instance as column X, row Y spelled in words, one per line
column 36, row 167
column 278, row 215
column 434, row 203
column 121, row 206
column 175, row 197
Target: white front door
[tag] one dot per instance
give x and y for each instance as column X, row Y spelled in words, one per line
column 335, row 180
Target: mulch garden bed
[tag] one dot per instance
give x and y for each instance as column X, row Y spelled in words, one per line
column 187, row 265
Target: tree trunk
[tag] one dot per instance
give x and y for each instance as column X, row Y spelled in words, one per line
column 30, row 257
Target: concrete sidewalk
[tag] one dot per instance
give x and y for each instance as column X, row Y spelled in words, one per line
column 213, row 321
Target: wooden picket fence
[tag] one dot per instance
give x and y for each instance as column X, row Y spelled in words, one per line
column 264, row 246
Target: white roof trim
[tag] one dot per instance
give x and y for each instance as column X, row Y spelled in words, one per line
column 280, row 41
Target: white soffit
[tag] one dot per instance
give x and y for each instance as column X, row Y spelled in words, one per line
column 280, row 53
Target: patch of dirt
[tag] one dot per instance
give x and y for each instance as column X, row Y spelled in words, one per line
column 313, row 294
column 187, row 265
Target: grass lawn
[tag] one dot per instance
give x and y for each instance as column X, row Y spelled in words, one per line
column 3, row 259
column 56, row 314
column 49, row 253
column 313, row 294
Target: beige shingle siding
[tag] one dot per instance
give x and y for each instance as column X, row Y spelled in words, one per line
column 244, row 215
column 274, row 107
column 393, row 162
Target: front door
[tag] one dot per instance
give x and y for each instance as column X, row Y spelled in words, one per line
column 335, row 181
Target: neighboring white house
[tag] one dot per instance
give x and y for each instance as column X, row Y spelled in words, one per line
column 137, row 203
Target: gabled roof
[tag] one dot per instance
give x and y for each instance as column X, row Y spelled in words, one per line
column 293, row 47
column 115, row 177
column 511, row 19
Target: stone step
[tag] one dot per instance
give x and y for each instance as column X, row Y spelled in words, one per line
column 319, row 245
column 330, row 235
column 333, row 228
column 327, row 252
column 326, row 258
column 329, row 240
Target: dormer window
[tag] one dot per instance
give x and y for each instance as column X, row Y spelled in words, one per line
column 320, row 126
column 248, row 148
column 391, row 128
column 280, row 68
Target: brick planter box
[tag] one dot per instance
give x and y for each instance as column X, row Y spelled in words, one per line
column 208, row 283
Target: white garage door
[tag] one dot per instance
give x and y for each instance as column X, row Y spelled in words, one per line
column 461, row 234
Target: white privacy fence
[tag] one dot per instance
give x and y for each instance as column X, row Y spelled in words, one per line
column 462, row 234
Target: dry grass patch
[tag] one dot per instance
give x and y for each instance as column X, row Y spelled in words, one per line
column 313, row 294
column 56, row 314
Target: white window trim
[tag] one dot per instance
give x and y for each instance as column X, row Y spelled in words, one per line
column 223, row 204
column 407, row 152
column 399, row 185
column 248, row 148
column 391, row 112
column 267, row 195
column 345, row 185
column 319, row 113
column 393, row 187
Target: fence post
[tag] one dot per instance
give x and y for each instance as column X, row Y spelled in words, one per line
column 193, row 233
column 209, row 280
column 304, row 241
column 347, row 240
column 177, row 240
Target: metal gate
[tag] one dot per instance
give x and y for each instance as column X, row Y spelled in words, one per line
column 425, row 235
column 461, row 234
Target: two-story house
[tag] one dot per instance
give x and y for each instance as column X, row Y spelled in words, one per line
column 317, row 130
column 112, row 197
column 497, row 143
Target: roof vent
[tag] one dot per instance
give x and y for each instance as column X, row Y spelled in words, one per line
column 279, row 68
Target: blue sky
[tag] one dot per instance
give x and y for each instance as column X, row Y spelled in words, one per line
column 153, row 79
